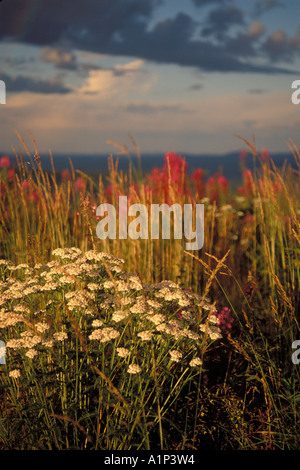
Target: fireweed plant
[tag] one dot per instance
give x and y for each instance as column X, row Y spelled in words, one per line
column 103, row 353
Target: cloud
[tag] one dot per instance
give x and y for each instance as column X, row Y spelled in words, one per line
column 116, row 82
column 256, row 91
column 220, row 20
column 256, row 29
column 130, row 67
column 121, row 27
column 61, row 57
column 153, row 108
column 279, row 47
column 244, row 43
column 21, row 83
column 196, row 87
column 263, row 6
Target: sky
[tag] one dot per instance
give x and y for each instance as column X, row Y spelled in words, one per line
column 176, row 75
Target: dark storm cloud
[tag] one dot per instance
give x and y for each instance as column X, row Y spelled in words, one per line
column 21, row 83
column 121, row 27
column 263, row 6
column 222, row 19
column 280, row 47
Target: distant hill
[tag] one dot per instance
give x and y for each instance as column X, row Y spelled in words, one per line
column 227, row 164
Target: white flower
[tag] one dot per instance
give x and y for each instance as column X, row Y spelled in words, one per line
column 213, row 331
column 187, row 316
column 134, row 369
column 119, row 315
column 70, row 253
column 97, row 323
column 14, row 343
column 153, row 303
column 145, row 335
column 41, row 327
column 67, row 280
column 139, row 307
column 15, row 373
column 183, row 302
column 108, row 284
column 31, row 353
column 48, row 343
column 122, row 352
column 156, row 319
column 196, row 362
column 93, row 286
column 191, row 334
column 175, row 355
column 105, row 334
column 60, row 336
column 214, row 319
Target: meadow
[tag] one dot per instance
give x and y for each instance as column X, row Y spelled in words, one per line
column 123, row 344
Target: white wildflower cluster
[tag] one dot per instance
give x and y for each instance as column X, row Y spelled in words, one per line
column 60, row 336
column 28, row 341
column 91, row 290
column 119, row 315
column 134, row 369
column 67, row 253
column 140, row 306
column 123, row 352
column 145, row 335
column 105, row 334
column 79, row 299
column 175, row 355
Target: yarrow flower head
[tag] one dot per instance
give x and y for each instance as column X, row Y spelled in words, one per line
column 175, row 355
column 60, row 336
column 105, row 334
column 122, row 352
column 134, row 369
column 196, row 362
column 15, row 373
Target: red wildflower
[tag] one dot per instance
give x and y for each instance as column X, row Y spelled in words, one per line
column 33, row 196
column 25, row 185
column 66, row 175
column 5, row 162
column 225, row 319
column 11, row 174
column 223, row 183
column 265, row 154
column 247, row 177
column 243, row 155
column 78, row 184
column 248, row 218
column 197, row 178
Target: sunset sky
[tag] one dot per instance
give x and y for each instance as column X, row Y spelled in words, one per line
column 179, row 75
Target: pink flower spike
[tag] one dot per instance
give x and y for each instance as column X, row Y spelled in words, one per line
column 265, row 154
column 25, row 185
column 65, row 175
column 78, row 184
column 5, row 162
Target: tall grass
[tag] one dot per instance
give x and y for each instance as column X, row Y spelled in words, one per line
column 74, row 389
